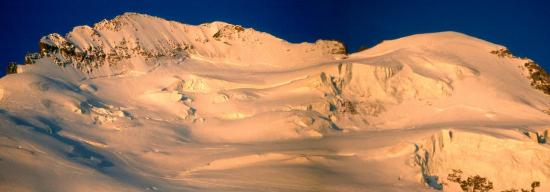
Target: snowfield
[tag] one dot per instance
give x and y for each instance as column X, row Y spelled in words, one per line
column 139, row 103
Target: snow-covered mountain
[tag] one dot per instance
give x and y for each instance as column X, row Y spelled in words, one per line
column 139, row 103
column 135, row 38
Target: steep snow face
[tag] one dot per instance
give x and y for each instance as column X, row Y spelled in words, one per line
column 140, row 103
column 135, row 36
column 462, row 150
column 445, row 73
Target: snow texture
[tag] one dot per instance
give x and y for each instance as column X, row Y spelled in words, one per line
column 139, row 103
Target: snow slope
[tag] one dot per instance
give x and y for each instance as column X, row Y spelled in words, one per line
column 139, row 103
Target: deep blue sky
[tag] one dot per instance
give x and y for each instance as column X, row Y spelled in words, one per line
column 522, row 26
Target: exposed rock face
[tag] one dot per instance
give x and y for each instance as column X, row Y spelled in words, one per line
column 228, row 32
column 63, row 52
column 12, row 68
column 539, row 78
column 538, row 136
column 31, row 58
column 503, row 52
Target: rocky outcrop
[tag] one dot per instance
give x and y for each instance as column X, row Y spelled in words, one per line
column 503, row 52
column 63, row 52
column 228, row 32
column 30, row 58
column 539, row 78
column 538, row 136
column 12, row 68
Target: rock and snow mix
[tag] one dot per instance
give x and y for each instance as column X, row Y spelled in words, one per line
column 140, row 103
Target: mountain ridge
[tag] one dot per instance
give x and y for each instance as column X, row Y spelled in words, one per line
column 128, row 36
column 218, row 107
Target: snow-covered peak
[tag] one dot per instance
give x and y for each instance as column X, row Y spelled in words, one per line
column 167, row 106
column 432, row 41
column 142, row 37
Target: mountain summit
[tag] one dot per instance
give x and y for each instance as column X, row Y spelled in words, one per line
column 140, row 103
column 137, row 37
